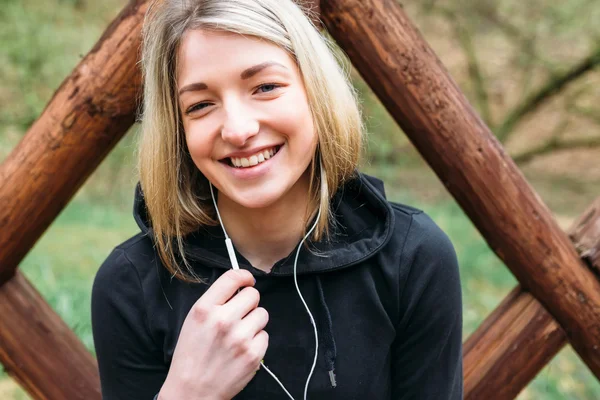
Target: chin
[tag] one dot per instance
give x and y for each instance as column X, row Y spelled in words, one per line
column 264, row 193
column 256, row 200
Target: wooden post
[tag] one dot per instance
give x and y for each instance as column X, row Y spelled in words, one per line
column 412, row 83
column 39, row 350
column 585, row 233
column 517, row 340
column 510, row 348
column 87, row 116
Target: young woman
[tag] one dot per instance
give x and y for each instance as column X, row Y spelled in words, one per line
column 254, row 219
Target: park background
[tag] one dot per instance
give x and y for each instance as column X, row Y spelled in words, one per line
column 529, row 68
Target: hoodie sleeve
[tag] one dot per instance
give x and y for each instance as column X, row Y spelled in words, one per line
column 129, row 362
column 427, row 352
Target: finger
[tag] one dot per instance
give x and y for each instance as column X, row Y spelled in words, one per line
column 241, row 304
column 249, row 361
column 261, row 343
column 254, row 322
column 226, row 286
column 250, row 326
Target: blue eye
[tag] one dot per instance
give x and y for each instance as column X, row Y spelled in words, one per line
column 269, row 85
column 196, row 107
column 267, row 88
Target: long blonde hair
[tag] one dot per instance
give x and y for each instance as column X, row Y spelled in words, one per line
column 174, row 190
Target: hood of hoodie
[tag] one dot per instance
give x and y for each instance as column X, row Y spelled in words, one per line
column 363, row 221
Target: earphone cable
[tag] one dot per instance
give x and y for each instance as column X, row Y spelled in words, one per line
column 234, row 265
column 312, row 320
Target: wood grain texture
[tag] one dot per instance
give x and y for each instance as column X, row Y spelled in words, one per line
column 518, row 339
column 39, row 350
column 510, row 348
column 418, row 92
column 88, row 114
column 585, row 233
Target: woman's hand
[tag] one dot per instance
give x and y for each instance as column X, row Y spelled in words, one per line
column 221, row 343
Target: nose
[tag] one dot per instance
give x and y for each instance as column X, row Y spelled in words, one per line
column 239, row 126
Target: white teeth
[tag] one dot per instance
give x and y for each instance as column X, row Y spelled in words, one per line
column 254, row 159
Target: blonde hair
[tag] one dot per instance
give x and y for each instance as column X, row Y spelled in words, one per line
column 174, row 190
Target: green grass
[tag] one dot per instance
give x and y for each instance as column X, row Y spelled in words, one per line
column 63, row 263
column 41, row 41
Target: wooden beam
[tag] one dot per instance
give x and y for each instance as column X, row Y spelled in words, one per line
column 585, row 233
column 510, row 348
column 517, row 340
column 412, row 83
column 87, row 116
column 39, row 350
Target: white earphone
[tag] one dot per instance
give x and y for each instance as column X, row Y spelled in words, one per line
column 234, row 265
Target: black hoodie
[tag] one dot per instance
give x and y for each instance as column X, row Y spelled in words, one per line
column 384, row 291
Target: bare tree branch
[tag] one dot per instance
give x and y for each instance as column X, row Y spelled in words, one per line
column 525, row 42
column 551, row 88
column 554, row 145
column 589, row 113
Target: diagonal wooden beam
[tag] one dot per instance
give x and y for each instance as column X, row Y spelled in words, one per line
column 510, row 348
column 412, row 83
column 87, row 116
column 517, row 340
column 585, row 233
column 39, row 350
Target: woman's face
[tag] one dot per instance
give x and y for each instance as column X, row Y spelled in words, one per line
column 245, row 113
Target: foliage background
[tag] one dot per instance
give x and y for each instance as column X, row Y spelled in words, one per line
column 529, row 68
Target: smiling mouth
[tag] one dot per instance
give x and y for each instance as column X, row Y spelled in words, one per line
column 253, row 160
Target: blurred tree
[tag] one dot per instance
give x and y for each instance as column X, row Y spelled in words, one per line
column 529, row 68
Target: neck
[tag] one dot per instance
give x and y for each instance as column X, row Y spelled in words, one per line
column 266, row 235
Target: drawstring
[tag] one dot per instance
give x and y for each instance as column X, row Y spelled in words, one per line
column 326, row 335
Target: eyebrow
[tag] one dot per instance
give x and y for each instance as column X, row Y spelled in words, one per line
column 246, row 74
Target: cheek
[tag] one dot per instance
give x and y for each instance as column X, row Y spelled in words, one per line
column 198, row 142
column 295, row 118
column 309, row 132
